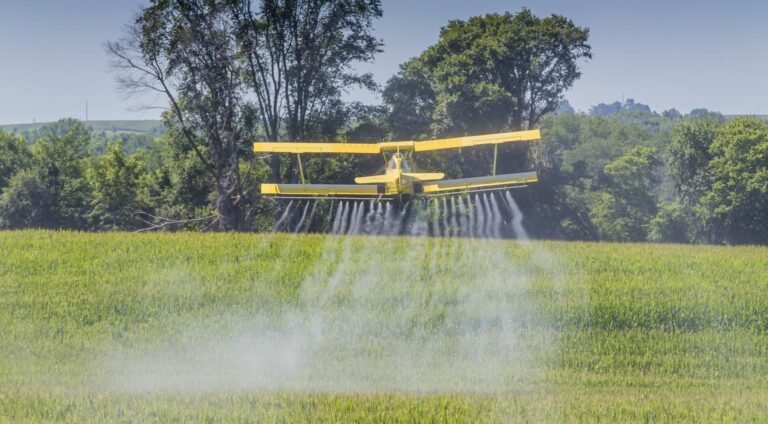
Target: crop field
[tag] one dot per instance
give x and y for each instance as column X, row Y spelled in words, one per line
column 307, row 328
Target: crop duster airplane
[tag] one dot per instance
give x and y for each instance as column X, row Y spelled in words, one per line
column 398, row 180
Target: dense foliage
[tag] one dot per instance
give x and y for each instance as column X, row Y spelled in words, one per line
column 632, row 176
column 489, row 73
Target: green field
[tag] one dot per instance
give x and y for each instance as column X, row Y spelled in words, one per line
column 237, row 327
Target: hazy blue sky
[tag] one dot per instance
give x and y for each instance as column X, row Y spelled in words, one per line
column 683, row 54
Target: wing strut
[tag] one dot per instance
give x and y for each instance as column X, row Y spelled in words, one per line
column 495, row 155
column 301, row 168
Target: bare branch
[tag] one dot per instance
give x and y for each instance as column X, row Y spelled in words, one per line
column 165, row 222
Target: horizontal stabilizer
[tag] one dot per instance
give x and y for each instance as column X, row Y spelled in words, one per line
column 377, row 179
column 424, row 176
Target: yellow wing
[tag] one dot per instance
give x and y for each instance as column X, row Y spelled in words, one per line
column 377, row 179
column 477, row 140
column 424, row 176
column 323, row 190
column 361, row 148
column 391, row 178
column 388, row 146
column 478, row 183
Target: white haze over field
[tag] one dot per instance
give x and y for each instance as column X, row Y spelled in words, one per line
column 456, row 312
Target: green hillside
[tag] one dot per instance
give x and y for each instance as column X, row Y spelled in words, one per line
column 241, row 327
column 111, row 127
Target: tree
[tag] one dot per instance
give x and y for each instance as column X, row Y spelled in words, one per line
column 26, row 203
column 624, row 209
column 60, row 161
column 558, row 211
column 14, row 156
column 689, row 157
column 298, row 58
column 186, row 50
column 672, row 114
column 53, row 192
column 114, row 179
column 697, row 112
column 564, row 108
column 411, row 100
column 176, row 190
column 736, row 207
column 670, row 225
column 631, row 105
column 492, row 73
column 211, row 57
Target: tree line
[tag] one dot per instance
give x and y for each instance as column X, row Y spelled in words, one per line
column 632, row 176
column 642, row 176
column 235, row 71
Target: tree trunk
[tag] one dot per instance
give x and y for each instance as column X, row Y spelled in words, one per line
column 274, row 163
column 227, row 211
column 227, row 183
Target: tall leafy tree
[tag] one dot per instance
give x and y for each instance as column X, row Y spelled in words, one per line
column 53, row 192
column 298, row 58
column 60, row 163
column 689, row 155
column 176, row 192
column 26, row 203
column 228, row 67
column 14, row 156
column 186, row 50
column 114, row 180
column 491, row 73
column 736, row 207
column 623, row 210
column 411, row 99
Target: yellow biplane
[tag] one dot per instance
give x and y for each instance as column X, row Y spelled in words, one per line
column 398, row 180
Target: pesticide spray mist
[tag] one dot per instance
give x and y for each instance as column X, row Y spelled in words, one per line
column 455, row 312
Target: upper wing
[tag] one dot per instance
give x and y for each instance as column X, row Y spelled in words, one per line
column 416, row 146
column 362, row 148
column 352, row 148
column 477, row 140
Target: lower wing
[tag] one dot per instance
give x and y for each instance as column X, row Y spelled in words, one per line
column 351, row 191
column 494, row 182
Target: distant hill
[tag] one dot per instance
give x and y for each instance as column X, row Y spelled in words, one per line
column 134, row 135
column 110, row 127
column 756, row 116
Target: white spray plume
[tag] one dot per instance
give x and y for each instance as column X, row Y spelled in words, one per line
column 408, row 314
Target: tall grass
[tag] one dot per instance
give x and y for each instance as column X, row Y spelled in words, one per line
column 600, row 331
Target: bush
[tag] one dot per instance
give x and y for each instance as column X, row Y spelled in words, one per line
column 670, row 225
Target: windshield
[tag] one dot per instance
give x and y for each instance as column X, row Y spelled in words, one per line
column 397, row 157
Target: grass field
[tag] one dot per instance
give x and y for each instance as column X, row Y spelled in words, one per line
column 222, row 327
